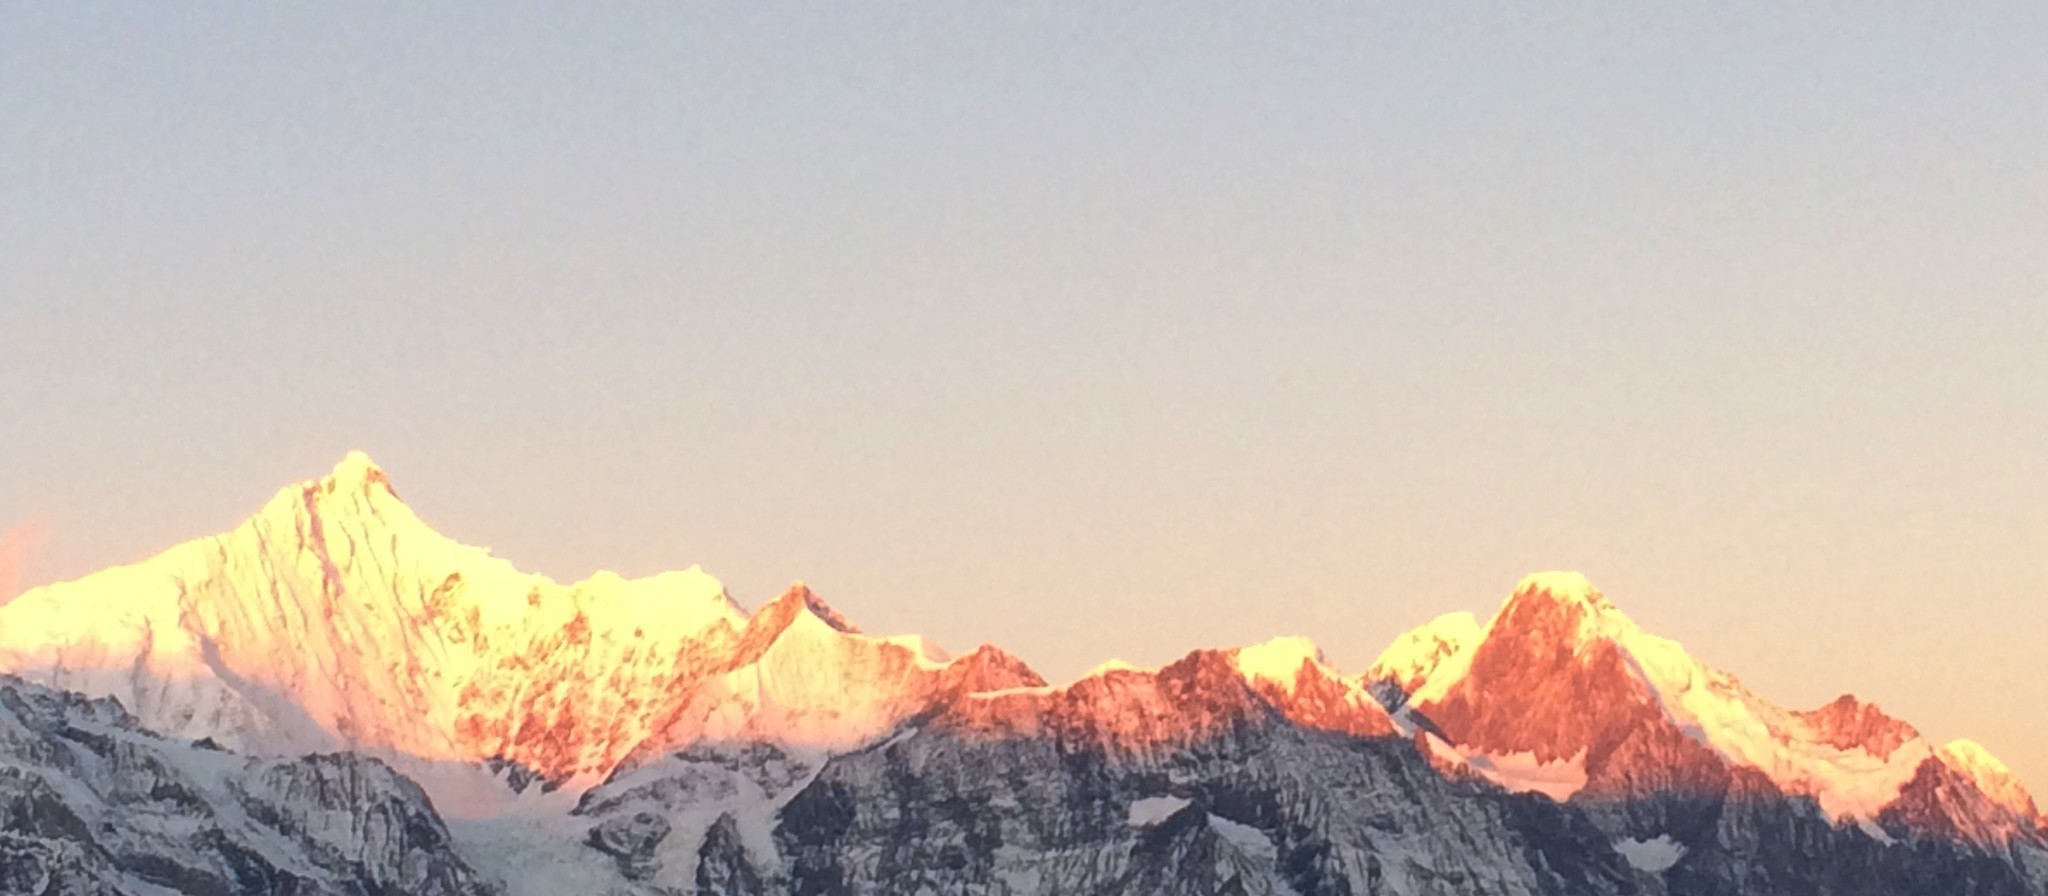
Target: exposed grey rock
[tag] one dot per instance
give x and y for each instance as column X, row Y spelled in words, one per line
column 90, row 803
column 631, row 839
column 1267, row 810
column 723, row 868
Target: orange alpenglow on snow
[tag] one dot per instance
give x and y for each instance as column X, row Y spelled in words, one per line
column 335, row 618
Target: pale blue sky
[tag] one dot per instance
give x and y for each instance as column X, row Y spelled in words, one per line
column 1088, row 332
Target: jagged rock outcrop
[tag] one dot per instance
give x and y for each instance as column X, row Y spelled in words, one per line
column 92, row 803
column 1260, row 807
column 1945, row 803
column 723, row 867
column 632, row 840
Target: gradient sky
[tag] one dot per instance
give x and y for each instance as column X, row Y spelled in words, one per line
column 1090, row 332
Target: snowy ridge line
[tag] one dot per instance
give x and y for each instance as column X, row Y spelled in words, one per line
column 334, row 618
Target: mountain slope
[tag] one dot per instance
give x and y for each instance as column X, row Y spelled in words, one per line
column 92, row 803
column 651, row 737
column 335, row 618
column 1561, row 682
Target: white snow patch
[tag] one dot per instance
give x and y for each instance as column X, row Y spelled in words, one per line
column 464, row 790
column 1655, row 855
column 1244, row 836
column 1153, row 810
column 525, row 854
column 1519, row 772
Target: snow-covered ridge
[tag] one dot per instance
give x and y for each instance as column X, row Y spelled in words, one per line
column 335, row 618
column 1416, row 655
column 1990, row 776
column 1848, row 756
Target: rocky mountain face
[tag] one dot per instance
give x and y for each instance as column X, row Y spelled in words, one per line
column 90, row 802
column 1258, row 807
column 1293, row 811
column 289, row 680
column 1561, row 678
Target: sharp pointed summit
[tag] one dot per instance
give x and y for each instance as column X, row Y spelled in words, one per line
column 1565, row 586
column 1991, row 776
column 1849, row 723
column 356, row 466
column 1564, row 605
column 353, row 476
column 335, row 618
column 801, row 595
column 1562, row 678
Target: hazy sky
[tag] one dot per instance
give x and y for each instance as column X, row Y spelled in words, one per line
column 1091, row 332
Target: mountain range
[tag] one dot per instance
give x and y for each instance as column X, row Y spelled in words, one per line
column 334, row 698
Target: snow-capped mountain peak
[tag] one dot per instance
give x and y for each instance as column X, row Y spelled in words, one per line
column 1565, row 605
column 1990, row 775
column 1415, row 656
column 335, row 618
column 356, row 469
column 1563, row 676
column 1563, row 585
column 1849, row 723
column 1546, row 613
column 355, row 490
column 1278, row 661
column 817, row 607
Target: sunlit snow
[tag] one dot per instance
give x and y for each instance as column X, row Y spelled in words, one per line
column 1711, row 706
